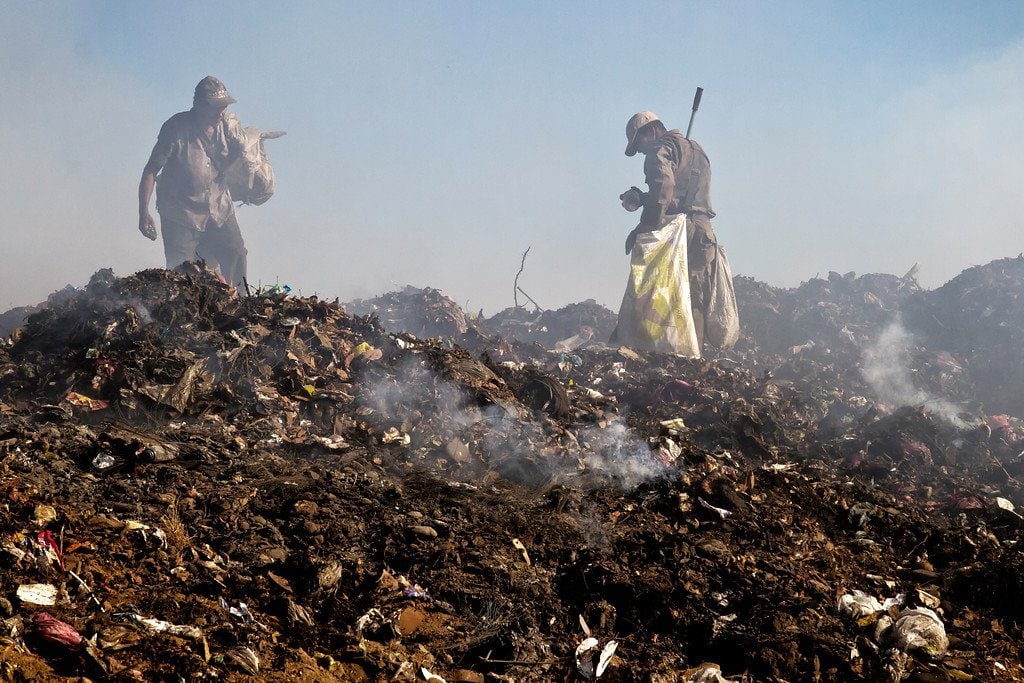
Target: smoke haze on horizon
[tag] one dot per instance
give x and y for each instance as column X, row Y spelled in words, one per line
column 431, row 145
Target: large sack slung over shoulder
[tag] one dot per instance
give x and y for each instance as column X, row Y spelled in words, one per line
column 250, row 178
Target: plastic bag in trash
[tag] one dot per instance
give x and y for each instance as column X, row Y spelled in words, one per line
column 915, row 629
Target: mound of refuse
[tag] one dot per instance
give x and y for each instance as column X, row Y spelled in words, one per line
column 978, row 318
column 203, row 483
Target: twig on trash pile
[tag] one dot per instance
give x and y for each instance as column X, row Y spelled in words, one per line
column 535, row 304
column 525, row 662
column 87, row 590
column 1009, row 477
column 516, row 289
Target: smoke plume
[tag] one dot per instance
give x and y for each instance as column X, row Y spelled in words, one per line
column 887, row 368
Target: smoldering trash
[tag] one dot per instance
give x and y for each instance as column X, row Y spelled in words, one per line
column 201, row 483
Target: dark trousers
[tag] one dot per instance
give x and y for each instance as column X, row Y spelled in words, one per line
column 221, row 246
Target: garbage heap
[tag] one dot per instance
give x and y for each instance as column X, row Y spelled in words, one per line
column 200, row 484
column 426, row 312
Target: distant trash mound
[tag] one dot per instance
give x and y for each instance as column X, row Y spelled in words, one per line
column 566, row 329
column 422, row 312
column 978, row 318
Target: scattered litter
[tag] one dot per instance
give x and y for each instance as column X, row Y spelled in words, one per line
column 721, row 512
column 43, row 594
column 55, row 631
column 591, row 662
column 159, row 625
column 518, row 545
column 917, row 629
column 290, row 448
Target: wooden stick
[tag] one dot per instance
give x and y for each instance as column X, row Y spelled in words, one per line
column 522, row 264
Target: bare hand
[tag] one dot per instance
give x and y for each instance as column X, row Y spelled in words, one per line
column 147, row 226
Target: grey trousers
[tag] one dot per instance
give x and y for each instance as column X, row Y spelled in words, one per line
column 221, row 246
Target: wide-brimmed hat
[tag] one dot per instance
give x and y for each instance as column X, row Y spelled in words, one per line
column 212, row 91
column 633, row 126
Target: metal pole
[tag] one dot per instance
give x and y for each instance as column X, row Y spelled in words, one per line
column 696, row 103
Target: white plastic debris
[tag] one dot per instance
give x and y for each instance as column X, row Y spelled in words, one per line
column 161, row 626
column 103, row 461
column 722, row 513
column 146, row 531
column 333, row 442
column 669, row 450
column 431, row 677
column 859, row 604
column 607, row 652
column 899, row 601
column 44, row 594
column 518, row 545
column 245, row 658
column 705, row 673
column 587, row 645
column 585, row 657
column 372, row 620
column 1004, row 504
column 920, row 629
column 392, row 435
column 241, row 612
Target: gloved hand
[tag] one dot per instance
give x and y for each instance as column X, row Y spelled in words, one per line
column 631, row 240
column 632, row 199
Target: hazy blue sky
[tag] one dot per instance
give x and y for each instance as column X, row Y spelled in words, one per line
column 432, row 143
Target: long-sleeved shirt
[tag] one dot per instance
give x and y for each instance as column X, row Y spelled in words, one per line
column 678, row 180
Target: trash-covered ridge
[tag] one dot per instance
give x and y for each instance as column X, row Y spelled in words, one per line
column 206, row 485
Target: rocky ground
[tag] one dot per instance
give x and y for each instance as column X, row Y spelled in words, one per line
column 205, row 484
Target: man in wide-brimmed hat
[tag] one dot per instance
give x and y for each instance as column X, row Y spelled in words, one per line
column 197, row 216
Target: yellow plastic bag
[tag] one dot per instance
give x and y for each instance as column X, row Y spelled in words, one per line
column 655, row 314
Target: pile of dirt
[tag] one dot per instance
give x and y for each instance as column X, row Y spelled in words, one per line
column 200, row 484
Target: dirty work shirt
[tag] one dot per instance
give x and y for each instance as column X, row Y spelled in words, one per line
column 678, row 178
column 190, row 190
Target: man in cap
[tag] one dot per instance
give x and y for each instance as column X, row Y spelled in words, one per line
column 192, row 151
column 678, row 178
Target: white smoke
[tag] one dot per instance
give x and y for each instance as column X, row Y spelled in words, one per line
column 620, row 456
column 516, row 445
column 886, row 367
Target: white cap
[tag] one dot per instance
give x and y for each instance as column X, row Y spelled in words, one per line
column 636, row 122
